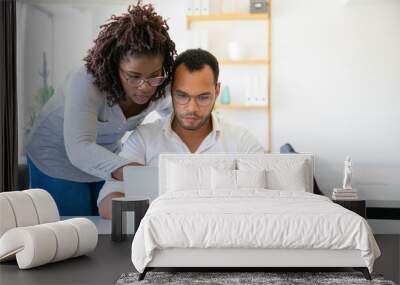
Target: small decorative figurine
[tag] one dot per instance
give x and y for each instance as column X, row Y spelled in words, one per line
column 347, row 174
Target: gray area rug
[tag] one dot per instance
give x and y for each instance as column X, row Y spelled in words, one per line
column 225, row 278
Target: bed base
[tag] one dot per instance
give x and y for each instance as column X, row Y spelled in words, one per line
column 250, row 259
column 363, row 270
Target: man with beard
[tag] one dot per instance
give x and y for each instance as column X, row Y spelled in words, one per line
column 191, row 128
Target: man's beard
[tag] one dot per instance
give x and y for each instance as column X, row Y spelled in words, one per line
column 201, row 121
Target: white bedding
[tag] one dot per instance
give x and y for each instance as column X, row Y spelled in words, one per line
column 251, row 218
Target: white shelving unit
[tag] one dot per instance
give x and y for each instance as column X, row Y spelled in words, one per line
column 265, row 62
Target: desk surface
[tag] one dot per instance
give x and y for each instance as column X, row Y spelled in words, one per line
column 102, row 266
column 103, row 226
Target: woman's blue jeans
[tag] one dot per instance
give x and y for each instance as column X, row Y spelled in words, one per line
column 72, row 198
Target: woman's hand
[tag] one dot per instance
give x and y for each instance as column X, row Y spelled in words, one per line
column 118, row 174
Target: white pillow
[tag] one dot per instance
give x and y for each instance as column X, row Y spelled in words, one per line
column 226, row 179
column 183, row 178
column 251, row 178
column 187, row 174
column 223, row 179
column 282, row 173
column 292, row 178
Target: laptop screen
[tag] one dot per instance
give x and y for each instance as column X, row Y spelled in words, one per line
column 141, row 181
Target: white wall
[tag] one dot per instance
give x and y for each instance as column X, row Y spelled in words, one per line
column 335, row 80
column 34, row 36
column 72, row 39
column 336, row 87
column 75, row 27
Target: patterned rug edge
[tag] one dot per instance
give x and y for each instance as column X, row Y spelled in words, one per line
column 244, row 278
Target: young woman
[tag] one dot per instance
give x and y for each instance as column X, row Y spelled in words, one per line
column 75, row 141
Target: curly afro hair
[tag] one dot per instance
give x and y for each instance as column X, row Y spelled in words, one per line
column 140, row 31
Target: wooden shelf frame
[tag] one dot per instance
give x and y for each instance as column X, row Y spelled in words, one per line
column 226, row 17
column 244, row 61
column 269, row 79
column 240, row 107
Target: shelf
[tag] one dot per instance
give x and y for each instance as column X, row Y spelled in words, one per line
column 244, row 61
column 225, row 20
column 240, row 107
column 226, row 17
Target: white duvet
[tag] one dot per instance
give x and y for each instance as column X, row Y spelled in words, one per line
column 252, row 218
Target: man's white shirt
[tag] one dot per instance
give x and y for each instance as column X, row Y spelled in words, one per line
column 148, row 141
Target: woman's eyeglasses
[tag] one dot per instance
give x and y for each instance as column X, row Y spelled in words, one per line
column 137, row 82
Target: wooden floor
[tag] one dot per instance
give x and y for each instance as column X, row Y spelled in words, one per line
column 111, row 259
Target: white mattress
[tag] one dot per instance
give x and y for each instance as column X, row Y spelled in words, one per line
column 253, row 218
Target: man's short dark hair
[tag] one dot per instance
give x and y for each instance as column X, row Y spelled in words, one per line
column 196, row 59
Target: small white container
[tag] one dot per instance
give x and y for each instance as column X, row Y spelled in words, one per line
column 235, row 51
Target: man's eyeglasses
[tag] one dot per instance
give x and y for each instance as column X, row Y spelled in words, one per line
column 137, row 82
column 201, row 100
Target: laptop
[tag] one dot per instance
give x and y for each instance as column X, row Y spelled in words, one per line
column 141, row 181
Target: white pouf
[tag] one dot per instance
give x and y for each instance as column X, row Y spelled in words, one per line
column 31, row 231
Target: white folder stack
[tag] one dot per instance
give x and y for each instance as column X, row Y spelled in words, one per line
column 344, row 194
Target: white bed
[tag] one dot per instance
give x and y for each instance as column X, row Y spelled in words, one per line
column 203, row 221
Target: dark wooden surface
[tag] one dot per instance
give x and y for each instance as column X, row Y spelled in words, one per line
column 383, row 209
column 357, row 206
column 102, row 266
column 119, row 207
